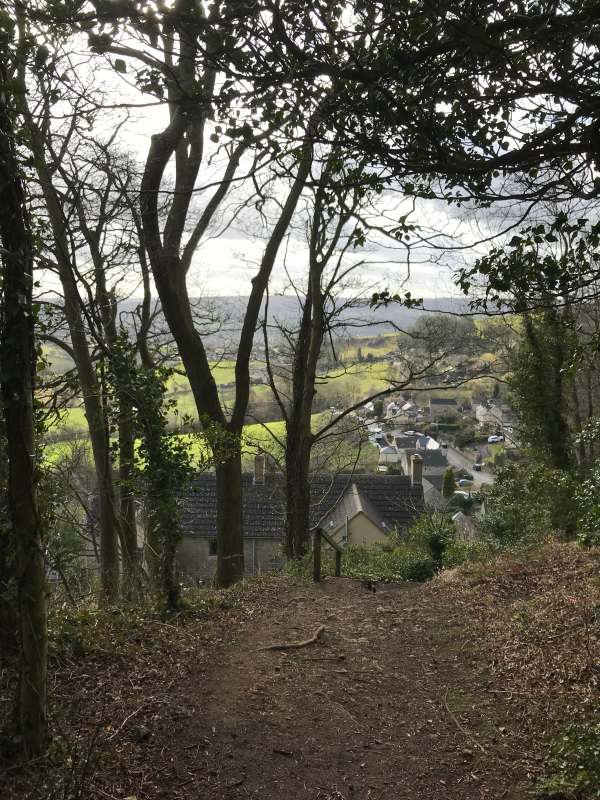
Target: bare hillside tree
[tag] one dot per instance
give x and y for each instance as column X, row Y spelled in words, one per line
column 38, row 124
column 328, row 303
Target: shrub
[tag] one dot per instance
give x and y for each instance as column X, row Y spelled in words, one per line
column 464, row 437
column 528, row 503
column 465, row 552
column 588, row 502
column 449, row 484
column 459, row 502
column 432, row 533
column 589, row 538
column 448, row 427
column 403, row 563
column 575, row 765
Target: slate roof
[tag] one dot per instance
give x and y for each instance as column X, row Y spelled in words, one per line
column 437, row 481
column 431, row 458
column 262, row 508
column 442, row 401
column 406, row 442
column 387, row 499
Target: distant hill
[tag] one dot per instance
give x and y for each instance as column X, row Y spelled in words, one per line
column 220, row 318
column 363, row 320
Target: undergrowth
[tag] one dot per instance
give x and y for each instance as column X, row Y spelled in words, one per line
column 87, row 628
column 574, row 765
column 370, row 563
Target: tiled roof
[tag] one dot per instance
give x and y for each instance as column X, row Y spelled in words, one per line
column 405, row 442
column 437, row 481
column 431, row 458
column 262, row 507
column 389, row 499
column 442, row 401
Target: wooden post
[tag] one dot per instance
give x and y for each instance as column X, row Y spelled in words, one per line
column 338, row 563
column 317, row 555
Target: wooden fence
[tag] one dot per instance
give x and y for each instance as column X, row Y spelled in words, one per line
column 319, row 535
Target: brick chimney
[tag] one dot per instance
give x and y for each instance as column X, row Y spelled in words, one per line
column 259, row 468
column 416, row 469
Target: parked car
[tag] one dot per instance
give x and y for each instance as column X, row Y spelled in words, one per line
column 465, row 482
column 477, row 467
column 461, row 495
column 495, row 439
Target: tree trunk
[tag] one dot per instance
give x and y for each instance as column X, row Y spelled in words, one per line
column 131, row 567
column 299, row 438
column 297, row 485
column 9, row 618
column 152, row 550
column 18, row 370
column 581, row 448
column 557, row 425
column 550, row 360
column 169, row 583
column 230, row 537
column 109, row 545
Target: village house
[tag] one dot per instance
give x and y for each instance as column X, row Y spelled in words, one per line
column 440, row 407
column 498, row 417
column 488, row 415
column 434, row 460
column 404, row 440
column 356, row 509
column 388, row 454
column 370, row 507
column 392, row 409
column 410, row 409
column 434, row 467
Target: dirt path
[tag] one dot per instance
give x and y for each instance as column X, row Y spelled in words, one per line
column 450, row 689
column 391, row 702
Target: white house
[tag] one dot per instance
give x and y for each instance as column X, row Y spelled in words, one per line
column 388, row 455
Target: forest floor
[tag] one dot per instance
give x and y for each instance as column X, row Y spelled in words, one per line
column 450, row 689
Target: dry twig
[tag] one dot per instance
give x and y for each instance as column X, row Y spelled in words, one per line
column 296, row 645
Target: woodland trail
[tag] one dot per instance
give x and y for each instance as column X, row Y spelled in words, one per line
column 397, row 698
column 390, row 702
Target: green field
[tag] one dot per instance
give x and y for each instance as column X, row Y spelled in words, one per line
column 267, row 437
column 377, row 346
column 73, row 419
column 349, row 384
column 357, row 381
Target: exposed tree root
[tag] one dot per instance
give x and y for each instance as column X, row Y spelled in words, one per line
column 296, row 645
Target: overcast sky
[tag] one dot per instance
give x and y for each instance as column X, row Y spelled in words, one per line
column 225, row 263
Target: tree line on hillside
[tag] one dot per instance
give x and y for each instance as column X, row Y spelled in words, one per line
column 272, row 114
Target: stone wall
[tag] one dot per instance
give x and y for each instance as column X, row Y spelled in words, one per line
column 195, row 563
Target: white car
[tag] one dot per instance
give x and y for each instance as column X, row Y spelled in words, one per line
column 495, row 439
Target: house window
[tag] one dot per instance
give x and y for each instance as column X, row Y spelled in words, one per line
column 212, row 547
